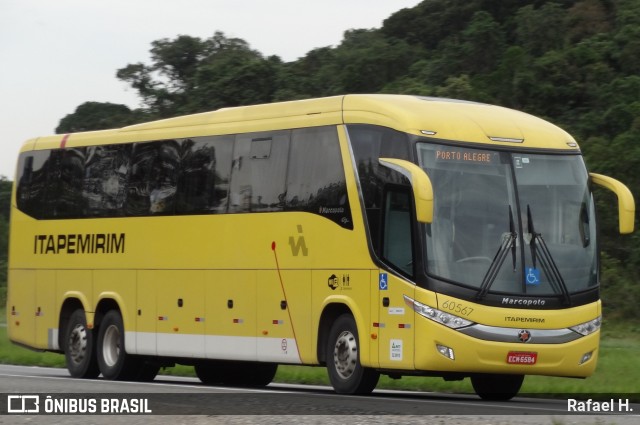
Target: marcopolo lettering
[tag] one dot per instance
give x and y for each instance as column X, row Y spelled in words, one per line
column 523, row 301
column 88, row 243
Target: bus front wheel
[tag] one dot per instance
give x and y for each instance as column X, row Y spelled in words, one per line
column 346, row 374
column 114, row 362
column 79, row 347
column 496, row 387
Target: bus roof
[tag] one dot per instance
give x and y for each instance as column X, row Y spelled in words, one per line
column 448, row 119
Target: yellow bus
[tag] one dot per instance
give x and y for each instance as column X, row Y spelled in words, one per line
column 371, row 234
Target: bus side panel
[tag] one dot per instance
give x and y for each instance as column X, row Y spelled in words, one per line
column 181, row 315
column 46, row 316
column 120, row 286
column 230, row 308
column 284, row 317
column 298, row 287
column 146, row 314
column 75, row 284
column 374, row 326
column 21, row 309
column 397, row 327
column 352, row 290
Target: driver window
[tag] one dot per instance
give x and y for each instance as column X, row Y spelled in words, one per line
column 397, row 249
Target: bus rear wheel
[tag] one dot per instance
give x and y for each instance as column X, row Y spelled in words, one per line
column 242, row 374
column 346, row 374
column 496, row 387
column 114, row 362
column 79, row 347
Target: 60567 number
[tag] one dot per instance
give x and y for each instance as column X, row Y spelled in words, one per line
column 455, row 307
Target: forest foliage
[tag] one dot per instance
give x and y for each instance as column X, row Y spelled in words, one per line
column 575, row 63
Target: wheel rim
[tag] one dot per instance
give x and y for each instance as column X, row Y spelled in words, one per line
column 78, row 344
column 111, row 346
column 345, row 354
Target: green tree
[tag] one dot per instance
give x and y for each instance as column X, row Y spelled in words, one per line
column 367, row 61
column 541, row 29
column 5, row 208
column 189, row 75
column 98, row 116
column 5, row 197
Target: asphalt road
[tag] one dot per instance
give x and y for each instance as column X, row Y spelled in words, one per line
column 173, row 400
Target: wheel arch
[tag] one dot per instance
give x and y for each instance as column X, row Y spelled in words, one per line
column 104, row 306
column 331, row 311
column 69, row 305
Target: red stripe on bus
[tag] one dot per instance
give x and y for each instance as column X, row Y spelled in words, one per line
column 63, row 142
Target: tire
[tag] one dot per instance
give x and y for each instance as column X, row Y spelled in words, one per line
column 147, row 372
column 113, row 360
column 79, row 347
column 497, row 387
column 238, row 374
column 346, row 374
column 209, row 373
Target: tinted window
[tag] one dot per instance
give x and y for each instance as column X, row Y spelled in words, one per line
column 68, row 190
column 370, row 143
column 259, row 172
column 153, row 178
column 299, row 170
column 32, row 183
column 105, row 182
column 315, row 181
column 203, row 185
column 397, row 248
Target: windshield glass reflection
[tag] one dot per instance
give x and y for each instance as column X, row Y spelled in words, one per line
column 482, row 236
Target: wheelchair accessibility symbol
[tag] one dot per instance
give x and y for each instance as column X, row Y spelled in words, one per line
column 533, row 276
column 383, row 281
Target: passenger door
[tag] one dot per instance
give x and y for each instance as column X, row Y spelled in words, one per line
column 396, row 325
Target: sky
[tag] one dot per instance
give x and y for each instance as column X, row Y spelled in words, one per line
column 56, row 55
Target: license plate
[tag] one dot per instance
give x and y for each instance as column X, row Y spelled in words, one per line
column 521, row 357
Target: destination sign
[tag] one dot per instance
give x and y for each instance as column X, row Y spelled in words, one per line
column 466, row 156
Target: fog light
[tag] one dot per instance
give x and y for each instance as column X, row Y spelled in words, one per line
column 586, row 357
column 445, row 351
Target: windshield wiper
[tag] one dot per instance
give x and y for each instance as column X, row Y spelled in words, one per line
column 508, row 242
column 546, row 260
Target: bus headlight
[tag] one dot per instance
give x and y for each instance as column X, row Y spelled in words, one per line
column 589, row 327
column 450, row 320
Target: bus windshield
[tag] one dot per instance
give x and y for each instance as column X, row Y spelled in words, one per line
column 510, row 223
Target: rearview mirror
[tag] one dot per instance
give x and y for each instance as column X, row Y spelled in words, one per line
column 626, row 204
column 420, row 182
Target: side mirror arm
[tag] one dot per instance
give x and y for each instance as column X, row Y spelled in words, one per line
column 626, row 204
column 420, row 182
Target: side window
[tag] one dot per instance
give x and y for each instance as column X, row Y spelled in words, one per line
column 259, row 172
column 153, row 178
column 105, row 181
column 369, row 143
column 397, row 245
column 203, row 185
column 32, row 180
column 68, row 191
column 315, row 178
column 50, row 183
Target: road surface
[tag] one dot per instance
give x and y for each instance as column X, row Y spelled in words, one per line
column 172, row 400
